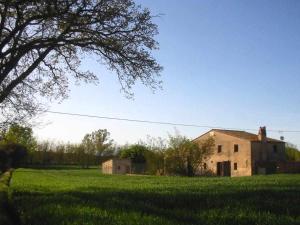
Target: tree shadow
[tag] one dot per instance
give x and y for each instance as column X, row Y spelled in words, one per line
column 160, row 206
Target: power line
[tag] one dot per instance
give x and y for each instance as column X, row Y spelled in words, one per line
column 162, row 122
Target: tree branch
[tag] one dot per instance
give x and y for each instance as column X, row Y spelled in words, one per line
column 25, row 74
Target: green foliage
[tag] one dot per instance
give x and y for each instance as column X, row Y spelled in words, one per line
column 97, row 143
column 292, row 153
column 88, row 197
column 155, row 157
column 4, row 198
column 184, row 157
column 179, row 156
column 94, row 146
column 175, row 158
column 135, row 152
column 17, row 143
column 20, row 135
column 11, row 155
column 50, row 153
column 154, row 162
column 138, row 155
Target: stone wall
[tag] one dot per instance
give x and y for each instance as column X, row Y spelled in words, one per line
column 240, row 161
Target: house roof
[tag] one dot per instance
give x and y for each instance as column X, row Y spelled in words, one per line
column 242, row 134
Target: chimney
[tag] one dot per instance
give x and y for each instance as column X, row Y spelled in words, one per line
column 262, row 134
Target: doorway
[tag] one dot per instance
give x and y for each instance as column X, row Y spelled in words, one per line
column 224, row 168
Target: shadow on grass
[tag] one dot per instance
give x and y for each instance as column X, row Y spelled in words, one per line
column 107, row 206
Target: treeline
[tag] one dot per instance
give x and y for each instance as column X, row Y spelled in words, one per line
column 94, row 147
column 175, row 155
column 49, row 153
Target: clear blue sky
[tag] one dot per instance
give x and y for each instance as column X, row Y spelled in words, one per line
column 226, row 63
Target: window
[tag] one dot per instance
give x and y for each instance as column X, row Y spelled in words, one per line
column 275, row 148
column 219, row 148
column 204, row 166
column 235, row 166
column 119, row 167
column 236, row 148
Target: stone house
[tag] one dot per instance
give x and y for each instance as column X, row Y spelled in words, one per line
column 116, row 166
column 239, row 153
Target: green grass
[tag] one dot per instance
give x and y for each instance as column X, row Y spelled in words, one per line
column 88, row 197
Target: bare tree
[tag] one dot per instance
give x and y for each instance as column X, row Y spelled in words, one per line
column 43, row 42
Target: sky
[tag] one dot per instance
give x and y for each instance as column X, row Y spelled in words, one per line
column 231, row 64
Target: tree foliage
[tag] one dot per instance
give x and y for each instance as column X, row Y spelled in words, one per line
column 292, row 153
column 11, row 155
column 136, row 153
column 155, row 157
column 42, row 44
column 52, row 154
column 16, row 143
column 97, row 143
column 184, row 156
column 21, row 135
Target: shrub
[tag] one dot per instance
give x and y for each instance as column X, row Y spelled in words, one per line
column 292, row 153
column 185, row 157
column 4, row 197
column 11, row 155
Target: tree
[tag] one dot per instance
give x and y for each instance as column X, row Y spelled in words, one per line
column 155, row 156
column 185, row 157
column 45, row 151
column 43, row 42
column 137, row 153
column 18, row 135
column 292, row 153
column 11, row 155
column 102, row 142
column 89, row 149
column 60, row 153
column 97, row 143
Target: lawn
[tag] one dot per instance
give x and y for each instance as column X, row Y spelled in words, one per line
column 87, row 197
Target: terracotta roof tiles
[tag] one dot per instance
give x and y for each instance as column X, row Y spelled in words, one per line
column 244, row 135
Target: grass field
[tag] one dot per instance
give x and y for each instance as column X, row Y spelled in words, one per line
column 88, row 197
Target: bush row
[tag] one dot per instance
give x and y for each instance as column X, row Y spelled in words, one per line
column 4, row 197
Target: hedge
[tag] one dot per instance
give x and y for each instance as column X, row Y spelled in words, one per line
column 4, row 198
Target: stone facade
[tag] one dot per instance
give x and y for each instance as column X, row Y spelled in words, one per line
column 239, row 153
column 116, row 166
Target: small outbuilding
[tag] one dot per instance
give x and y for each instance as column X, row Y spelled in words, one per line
column 116, row 166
